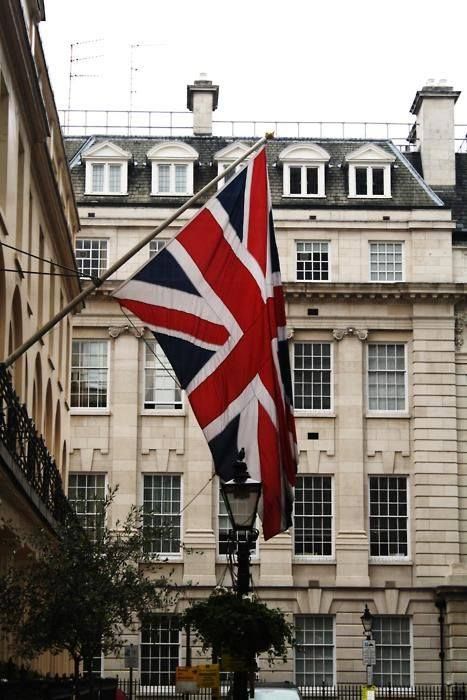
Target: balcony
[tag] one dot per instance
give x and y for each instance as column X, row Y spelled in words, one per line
column 25, row 461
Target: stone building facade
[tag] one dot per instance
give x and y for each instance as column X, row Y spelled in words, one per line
column 374, row 270
column 38, row 219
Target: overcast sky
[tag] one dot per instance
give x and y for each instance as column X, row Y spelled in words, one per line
column 277, row 60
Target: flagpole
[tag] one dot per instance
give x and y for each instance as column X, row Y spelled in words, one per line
column 97, row 281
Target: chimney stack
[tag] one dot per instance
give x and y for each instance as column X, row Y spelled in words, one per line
column 433, row 107
column 201, row 99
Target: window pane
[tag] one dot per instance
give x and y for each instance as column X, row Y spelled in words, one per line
column 160, row 644
column 89, row 374
column 295, row 174
column 312, row 180
column 393, row 657
column 312, row 376
column 161, row 387
column 86, row 493
column 314, row 651
column 181, row 178
column 312, row 261
column 388, row 523
column 97, row 177
column 163, row 178
column 378, row 181
column 91, row 256
column 161, row 508
column 360, row 181
column 156, row 245
column 386, row 377
column 115, row 178
column 313, row 516
column 386, row 262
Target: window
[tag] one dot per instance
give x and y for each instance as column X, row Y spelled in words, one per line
column 160, row 645
column 228, row 155
column 314, row 651
column 161, row 388
column 385, row 262
column 312, row 376
column 172, row 168
column 156, row 245
column 370, row 171
column 86, row 493
column 89, row 374
column 304, row 170
column 106, row 169
column 312, row 261
column 386, row 377
column 161, row 512
column 388, row 517
column 393, row 651
column 313, row 516
column 91, row 256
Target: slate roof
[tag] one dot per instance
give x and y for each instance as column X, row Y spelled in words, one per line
column 408, row 189
column 455, row 198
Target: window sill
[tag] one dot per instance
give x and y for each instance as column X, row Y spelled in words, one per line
column 105, row 194
column 387, row 414
column 313, row 413
column 310, row 280
column 171, row 194
column 385, row 281
column 369, row 196
column 163, row 412
column 310, row 559
column 90, row 411
column 304, row 196
column 389, row 561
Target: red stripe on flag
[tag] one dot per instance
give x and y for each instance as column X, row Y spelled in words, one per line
column 204, row 240
column 270, row 475
column 175, row 320
column 217, row 391
column 259, row 211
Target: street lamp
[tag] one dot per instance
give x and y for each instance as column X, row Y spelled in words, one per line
column 367, row 622
column 369, row 647
column 241, row 496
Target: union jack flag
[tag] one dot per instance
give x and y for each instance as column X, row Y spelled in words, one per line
column 213, row 299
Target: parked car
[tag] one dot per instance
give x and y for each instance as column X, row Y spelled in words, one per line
column 277, row 691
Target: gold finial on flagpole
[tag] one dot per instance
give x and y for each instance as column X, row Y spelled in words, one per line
column 269, row 135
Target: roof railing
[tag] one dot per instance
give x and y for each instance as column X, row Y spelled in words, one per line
column 149, row 123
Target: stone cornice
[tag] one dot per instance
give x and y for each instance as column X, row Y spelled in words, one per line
column 397, row 292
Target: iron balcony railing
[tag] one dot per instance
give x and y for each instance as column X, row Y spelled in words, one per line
column 28, row 452
column 108, row 122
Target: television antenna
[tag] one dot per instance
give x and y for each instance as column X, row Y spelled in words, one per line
column 137, row 68
column 75, row 60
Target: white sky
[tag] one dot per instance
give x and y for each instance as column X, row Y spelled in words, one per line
column 301, row 60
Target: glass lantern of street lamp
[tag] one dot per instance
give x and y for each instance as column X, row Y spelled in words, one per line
column 367, row 620
column 241, row 496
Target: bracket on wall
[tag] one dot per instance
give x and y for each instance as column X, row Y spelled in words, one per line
column 360, row 333
column 116, row 331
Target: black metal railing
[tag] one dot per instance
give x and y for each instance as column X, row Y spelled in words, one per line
column 59, row 689
column 28, row 451
column 340, row 691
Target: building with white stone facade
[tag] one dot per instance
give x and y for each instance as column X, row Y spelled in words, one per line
column 374, row 268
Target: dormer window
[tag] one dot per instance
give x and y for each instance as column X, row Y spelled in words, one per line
column 172, row 169
column 106, row 169
column 228, row 155
column 370, row 172
column 304, row 170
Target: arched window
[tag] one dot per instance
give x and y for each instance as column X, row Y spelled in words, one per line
column 172, row 169
column 304, row 170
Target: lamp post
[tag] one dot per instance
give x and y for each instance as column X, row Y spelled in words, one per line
column 241, row 496
column 369, row 651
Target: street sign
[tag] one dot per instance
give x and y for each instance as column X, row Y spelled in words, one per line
column 186, row 679
column 131, row 656
column 369, row 652
column 208, row 676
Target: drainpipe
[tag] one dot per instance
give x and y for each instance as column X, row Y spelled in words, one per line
column 441, row 605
